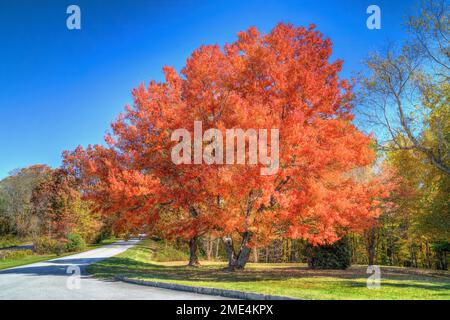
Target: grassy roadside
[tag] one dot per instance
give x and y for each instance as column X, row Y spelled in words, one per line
column 32, row 258
column 6, row 242
column 148, row 260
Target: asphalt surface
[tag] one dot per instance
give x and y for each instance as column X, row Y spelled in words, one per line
column 17, row 248
column 58, row 279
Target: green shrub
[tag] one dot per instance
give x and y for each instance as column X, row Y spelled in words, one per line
column 104, row 234
column 334, row 256
column 441, row 250
column 60, row 247
column 45, row 245
column 75, row 242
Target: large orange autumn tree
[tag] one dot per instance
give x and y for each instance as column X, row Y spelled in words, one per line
column 282, row 80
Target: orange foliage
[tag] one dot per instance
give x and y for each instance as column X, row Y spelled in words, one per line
column 278, row 80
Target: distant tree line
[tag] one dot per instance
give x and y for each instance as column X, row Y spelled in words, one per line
column 45, row 206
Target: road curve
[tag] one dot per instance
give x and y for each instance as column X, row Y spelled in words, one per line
column 51, row 280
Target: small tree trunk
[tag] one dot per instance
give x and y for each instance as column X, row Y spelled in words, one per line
column 371, row 255
column 193, row 242
column 370, row 245
column 428, row 255
column 208, row 246
column 193, row 249
column 229, row 250
column 255, row 255
column 441, row 260
column 217, row 248
column 239, row 260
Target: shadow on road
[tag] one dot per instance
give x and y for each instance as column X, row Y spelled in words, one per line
column 17, row 248
column 52, row 268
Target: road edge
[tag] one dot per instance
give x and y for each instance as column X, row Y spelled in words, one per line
column 64, row 255
column 234, row 294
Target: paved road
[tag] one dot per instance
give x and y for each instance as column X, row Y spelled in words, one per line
column 50, row 280
column 22, row 247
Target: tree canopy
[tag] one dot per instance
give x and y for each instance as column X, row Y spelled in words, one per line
column 281, row 80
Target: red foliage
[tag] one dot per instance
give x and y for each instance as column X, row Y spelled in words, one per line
column 279, row 80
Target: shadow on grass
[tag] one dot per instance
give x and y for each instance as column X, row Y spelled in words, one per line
column 435, row 286
column 354, row 277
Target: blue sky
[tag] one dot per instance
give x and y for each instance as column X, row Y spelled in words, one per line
column 61, row 88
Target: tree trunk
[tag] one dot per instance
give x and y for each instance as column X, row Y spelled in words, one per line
column 370, row 245
column 371, row 254
column 428, row 255
column 255, row 255
column 208, row 246
column 193, row 242
column 441, row 260
column 193, row 249
column 229, row 250
column 237, row 261
column 217, row 248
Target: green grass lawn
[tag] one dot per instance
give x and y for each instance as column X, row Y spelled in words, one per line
column 32, row 258
column 294, row 280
